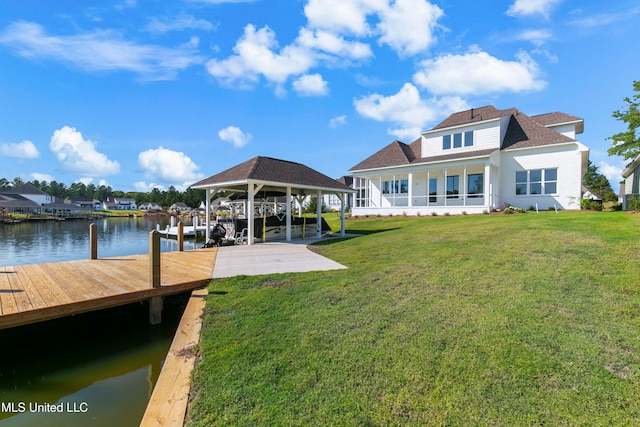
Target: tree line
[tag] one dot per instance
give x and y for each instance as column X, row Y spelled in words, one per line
column 61, row 191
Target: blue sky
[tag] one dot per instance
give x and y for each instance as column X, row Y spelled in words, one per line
column 138, row 94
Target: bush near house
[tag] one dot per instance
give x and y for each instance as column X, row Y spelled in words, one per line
column 499, row 320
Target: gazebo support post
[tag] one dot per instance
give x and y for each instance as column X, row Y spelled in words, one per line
column 288, row 213
column 343, row 198
column 319, row 215
column 250, row 203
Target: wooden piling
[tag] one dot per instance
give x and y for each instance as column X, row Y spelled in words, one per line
column 180, row 236
column 93, row 241
column 155, row 303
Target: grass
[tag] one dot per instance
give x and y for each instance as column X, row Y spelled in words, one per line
column 461, row 320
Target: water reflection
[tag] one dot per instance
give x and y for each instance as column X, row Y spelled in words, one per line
column 101, row 366
column 32, row 242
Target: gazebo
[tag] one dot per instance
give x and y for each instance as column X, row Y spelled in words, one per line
column 269, row 175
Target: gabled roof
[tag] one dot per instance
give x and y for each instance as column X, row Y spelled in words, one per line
column 272, row 171
column 555, row 118
column 26, row 188
column 346, row 180
column 395, row 154
column 16, row 201
column 631, row 167
column 474, row 115
column 522, row 132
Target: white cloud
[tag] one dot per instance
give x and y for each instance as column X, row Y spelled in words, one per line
column 338, row 121
column 85, row 180
column 478, row 73
column 255, row 56
column 42, row 177
column 333, row 44
column 407, row 110
column 311, row 85
column 172, row 167
column 329, row 38
column 178, row 23
column 536, row 36
column 19, row 150
column 612, row 172
column 407, row 26
column 144, row 187
column 235, row 136
column 604, row 19
column 532, row 7
column 341, row 16
column 78, row 155
column 100, row 50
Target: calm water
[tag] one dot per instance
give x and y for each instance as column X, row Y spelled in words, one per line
column 32, row 242
column 102, row 365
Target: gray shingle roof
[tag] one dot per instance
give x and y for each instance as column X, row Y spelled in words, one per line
column 26, row 188
column 555, row 118
column 522, row 132
column 272, row 170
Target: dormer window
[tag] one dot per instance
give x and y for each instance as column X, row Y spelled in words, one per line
column 446, row 142
column 459, row 139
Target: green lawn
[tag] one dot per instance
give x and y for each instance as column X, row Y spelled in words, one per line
column 463, row 320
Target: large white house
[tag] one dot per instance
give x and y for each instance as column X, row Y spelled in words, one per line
column 476, row 161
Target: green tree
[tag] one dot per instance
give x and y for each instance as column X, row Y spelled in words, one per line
column 627, row 144
column 598, row 183
column 17, row 182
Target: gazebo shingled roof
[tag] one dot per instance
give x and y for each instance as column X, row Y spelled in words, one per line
column 275, row 171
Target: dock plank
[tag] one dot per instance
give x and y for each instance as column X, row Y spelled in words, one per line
column 37, row 292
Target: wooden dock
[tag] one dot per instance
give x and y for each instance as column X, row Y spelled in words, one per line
column 38, row 292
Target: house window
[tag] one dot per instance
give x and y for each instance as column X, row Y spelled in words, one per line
column 457, row 140
column 404, row 186
column 395, row 187
column 446, row 142
column 475, row 185
column 453, row 186
column 521, row 182
column 550, row 181
column 386, row 187
column 433, row 190
column 537, row 181
column 468, row 139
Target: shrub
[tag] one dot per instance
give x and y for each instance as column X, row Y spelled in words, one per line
column 512, row 210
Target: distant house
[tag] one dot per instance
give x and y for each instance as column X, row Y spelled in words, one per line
column 84, row 203
column 476, row 161
column 25, row 198
column 31, row 192
column 15, row 203
column 179, row 207
column 631, row 184
column 590, row 195
column 120, row 204
column 150, row 206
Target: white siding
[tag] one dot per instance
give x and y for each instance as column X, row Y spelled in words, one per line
column 485, row 135
column 566, row 130
column 566, row 158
